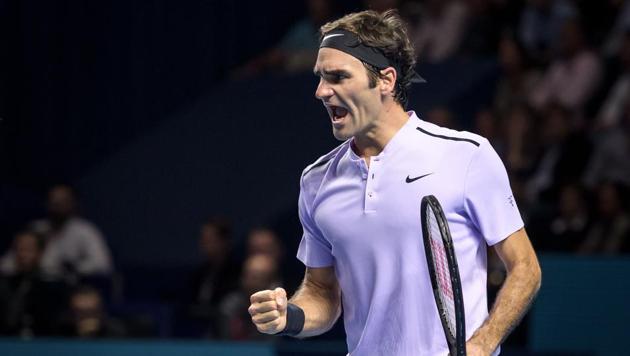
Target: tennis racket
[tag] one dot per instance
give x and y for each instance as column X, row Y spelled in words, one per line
column 447, row 287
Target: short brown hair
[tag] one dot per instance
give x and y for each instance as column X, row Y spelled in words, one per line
column 387, row 32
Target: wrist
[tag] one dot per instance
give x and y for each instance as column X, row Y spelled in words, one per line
column 484, row 342
column 295, row 321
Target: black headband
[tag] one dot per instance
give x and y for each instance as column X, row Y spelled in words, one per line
column 349, row 43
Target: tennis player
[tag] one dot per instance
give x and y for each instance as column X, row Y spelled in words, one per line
column 359, row 207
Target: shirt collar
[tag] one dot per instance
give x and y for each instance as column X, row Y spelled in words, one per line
column 395, row 141
column 401, row 136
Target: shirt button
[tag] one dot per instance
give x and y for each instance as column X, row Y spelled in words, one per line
column 370, row 194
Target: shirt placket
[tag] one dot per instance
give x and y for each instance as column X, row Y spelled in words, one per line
column 371, row 178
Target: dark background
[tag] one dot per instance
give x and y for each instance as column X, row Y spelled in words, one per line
column 130, row 102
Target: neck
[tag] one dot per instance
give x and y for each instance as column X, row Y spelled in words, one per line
column 373, row 141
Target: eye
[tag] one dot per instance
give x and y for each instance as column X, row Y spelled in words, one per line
column 335, row 77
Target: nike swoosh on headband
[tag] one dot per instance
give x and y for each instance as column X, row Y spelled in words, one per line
column 331, row 36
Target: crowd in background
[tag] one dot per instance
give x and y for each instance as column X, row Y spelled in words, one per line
column 560, row 120
column 56, row 278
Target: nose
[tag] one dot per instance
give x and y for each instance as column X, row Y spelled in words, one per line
column 323, row 90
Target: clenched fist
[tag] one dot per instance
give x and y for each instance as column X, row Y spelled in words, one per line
column 269, row 310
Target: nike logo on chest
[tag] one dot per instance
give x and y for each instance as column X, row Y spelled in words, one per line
column 411, row 180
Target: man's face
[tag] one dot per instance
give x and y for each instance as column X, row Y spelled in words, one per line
column 345, row 91
column 27, row 252
column 60, row 203
column 263, row 242
column 259, row 273
column 211, row 244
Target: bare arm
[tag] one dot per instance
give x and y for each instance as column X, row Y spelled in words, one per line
column 516, row 295
column 319, row 296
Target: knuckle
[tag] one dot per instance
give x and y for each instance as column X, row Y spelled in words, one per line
column 252, row 298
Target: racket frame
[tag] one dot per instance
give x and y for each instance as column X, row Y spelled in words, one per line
column 457, row 342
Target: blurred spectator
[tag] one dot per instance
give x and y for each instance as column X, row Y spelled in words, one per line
column 610, row 232
column 486, row 125
column 613, row 107
column 297, row 51
column 441, row 116
column 260, row 272
column 517, row 79
column 440, row 30
column 573, row 74
column 517, row 128
column 88, row 318
column 540, row 26
column 217, row 276
column 30, row 302
column 564, row 154
column 219, row 272
column 483, row 28
column 564, row 228
column 611, row 157
column 73, row 245
column 263, row 240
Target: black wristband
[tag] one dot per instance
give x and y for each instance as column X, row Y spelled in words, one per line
column 295, row 321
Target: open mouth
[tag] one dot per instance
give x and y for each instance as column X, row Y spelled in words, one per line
column 337, row 113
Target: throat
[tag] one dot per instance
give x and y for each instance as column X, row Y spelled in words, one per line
column 365, row 152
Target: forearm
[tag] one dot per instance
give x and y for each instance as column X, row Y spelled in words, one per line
column 321, row 305
column 514, row 298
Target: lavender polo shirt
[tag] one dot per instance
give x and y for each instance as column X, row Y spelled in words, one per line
column 366, row 223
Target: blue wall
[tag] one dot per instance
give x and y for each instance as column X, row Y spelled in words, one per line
column 583, row 306
column 128, row 348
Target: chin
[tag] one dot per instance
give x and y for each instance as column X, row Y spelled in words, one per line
column 341, row 136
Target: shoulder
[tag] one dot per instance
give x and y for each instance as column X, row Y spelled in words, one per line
column 450, row 138
column 320, row 166
column 314, row 174
column 84, row 227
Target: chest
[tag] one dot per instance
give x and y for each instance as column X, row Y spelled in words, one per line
column 381, row 203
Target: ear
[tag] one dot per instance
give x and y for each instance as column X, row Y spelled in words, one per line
column 387, row 82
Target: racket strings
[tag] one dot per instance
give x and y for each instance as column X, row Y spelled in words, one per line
column 443, row 275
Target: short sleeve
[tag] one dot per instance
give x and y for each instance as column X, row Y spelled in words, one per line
column 488, row 198
column 314, row 250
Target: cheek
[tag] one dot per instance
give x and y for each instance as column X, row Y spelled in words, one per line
column 367, row 102
column 360, row 99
